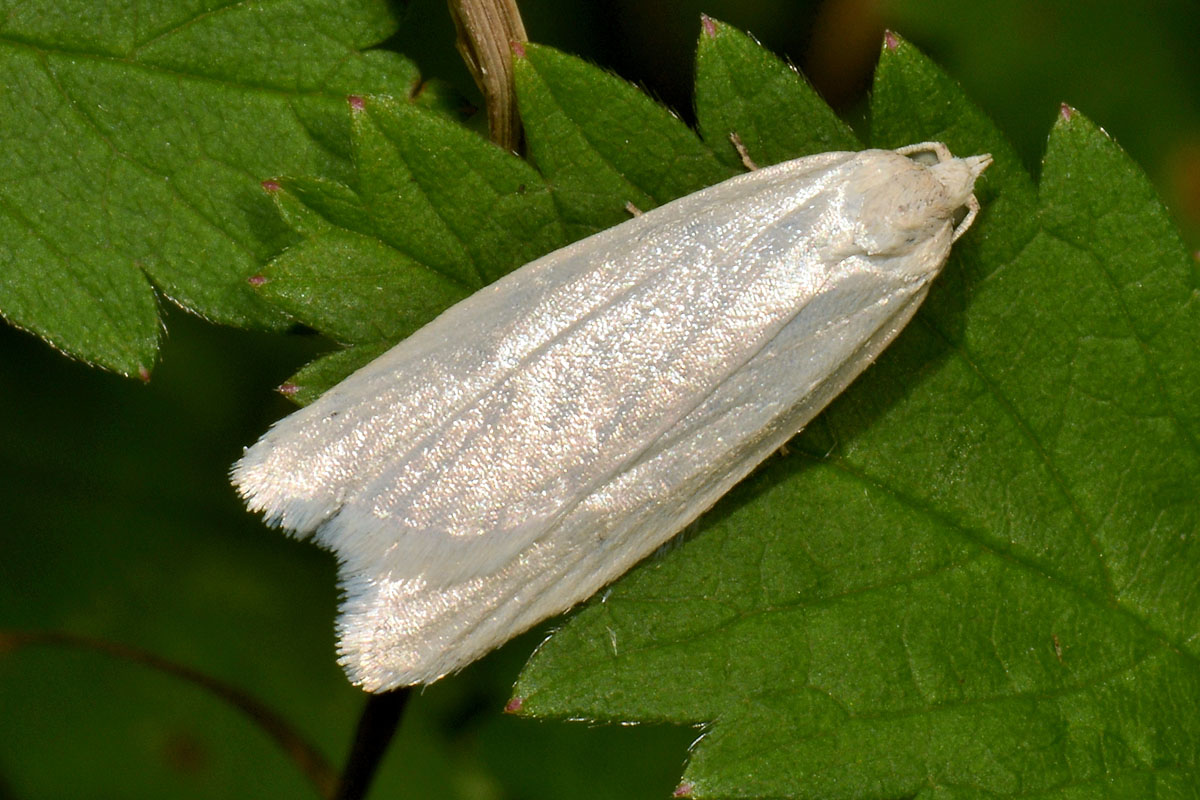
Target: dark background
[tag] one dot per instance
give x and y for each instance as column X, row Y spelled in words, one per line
column 117, row 521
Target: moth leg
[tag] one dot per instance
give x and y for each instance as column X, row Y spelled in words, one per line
column 937, row 148
column 972, row 212
column 743, row 152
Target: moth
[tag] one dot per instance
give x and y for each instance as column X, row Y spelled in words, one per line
column 539, row 438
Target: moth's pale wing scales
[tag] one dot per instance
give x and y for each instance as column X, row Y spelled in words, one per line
column 540, row 437
column 343, row 453
column 618, row 523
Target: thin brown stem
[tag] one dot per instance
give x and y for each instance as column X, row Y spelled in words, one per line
column 486, row 32
column 376, row 726
column 308, row 759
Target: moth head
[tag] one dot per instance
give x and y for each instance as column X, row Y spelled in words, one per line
column 958, row 176
column 909, row 205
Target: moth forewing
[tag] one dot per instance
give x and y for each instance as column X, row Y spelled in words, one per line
column 540, row 437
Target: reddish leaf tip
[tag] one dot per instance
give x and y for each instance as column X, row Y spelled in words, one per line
column 271, row 186
column 288, row 389
column 518, row 48
column 891, row 41
column 708, row 26
column 143, row 374
column 357, row 102
column 514, row 706
column 683, row 790
column 1066, row 112
column 257, row 280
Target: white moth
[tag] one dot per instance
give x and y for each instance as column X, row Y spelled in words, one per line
column 539, row 438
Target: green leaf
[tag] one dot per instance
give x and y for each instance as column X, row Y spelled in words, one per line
column 448, row 199
column 356, row 289
column 312, row 206
column 975, row 576
column 165, row 558
column 602, row 144
column 133, row 148
column 311, row 382
column 971, row 578
column 975, row 569
column 745, row 90
column 1116, row 60
column 439, row 212
column 914, row 101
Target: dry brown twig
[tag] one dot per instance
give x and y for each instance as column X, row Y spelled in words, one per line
column 486, row 32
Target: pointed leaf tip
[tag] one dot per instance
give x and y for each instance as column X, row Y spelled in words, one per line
column 288, row 389
column 357, row 102
column 270, row 186
column 259, row 85
column 518, row 48
column 143, row 374
column 1019, row 268
column 781, row 118
column 514, row 705
column 1066, row 112
column 257, row 280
